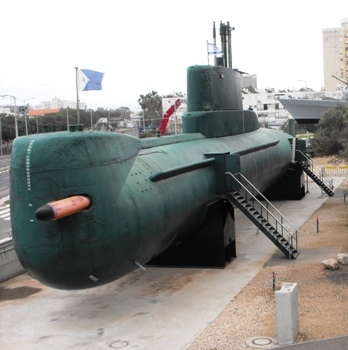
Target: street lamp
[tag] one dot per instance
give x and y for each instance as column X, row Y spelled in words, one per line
column 1, row 134
column 25, row 113
column 175, row 118
column 15, row 112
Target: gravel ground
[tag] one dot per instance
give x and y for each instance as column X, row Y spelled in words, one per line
column 322, row 298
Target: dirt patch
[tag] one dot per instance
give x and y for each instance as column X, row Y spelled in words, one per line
column 323, row 294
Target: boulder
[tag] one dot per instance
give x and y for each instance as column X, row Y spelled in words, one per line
column 342, row 258
column 330, row 264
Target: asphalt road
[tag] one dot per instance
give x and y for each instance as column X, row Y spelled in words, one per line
column 5, row 224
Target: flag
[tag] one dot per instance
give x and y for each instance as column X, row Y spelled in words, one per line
column 213, row 49
column 90, row 80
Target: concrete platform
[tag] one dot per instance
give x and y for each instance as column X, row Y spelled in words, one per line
column 339, row 343
column 160, row 308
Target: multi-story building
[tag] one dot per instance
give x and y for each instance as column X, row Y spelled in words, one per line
column 335, row 51
column 57, row 103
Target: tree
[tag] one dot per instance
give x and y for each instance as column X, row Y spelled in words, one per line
column 88, row 118
column 44, row 123
column 151, row 104
column 7, row 128
column 331, row 137
column 174, row 94
column 124, row 112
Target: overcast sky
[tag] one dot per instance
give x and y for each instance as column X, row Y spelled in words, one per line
column 145, row 45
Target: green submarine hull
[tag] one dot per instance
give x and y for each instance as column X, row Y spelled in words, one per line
column 146, row 195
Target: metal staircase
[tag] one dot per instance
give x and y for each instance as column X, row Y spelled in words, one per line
column 266, row 218
column 316, row 173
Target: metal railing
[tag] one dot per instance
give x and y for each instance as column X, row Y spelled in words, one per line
column 281, row 224
column 317, row 170
column 334, row 170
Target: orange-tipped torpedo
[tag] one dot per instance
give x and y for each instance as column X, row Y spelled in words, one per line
column 61, row 208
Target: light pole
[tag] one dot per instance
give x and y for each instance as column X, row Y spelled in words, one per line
column 25, row 113
column 175, row 119
column 109, row 120
column 304, row 83
column 15, row 112
column 67, row 117
column 175, row 125
column 1, row 135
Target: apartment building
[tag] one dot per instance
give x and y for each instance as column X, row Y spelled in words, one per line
column 335, row 52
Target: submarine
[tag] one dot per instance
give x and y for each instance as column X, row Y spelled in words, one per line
column 88, row 207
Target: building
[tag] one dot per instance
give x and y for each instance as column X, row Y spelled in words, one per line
column 335, row 54
column 6, row 110
column 57, row 103
column 42, row 112
column 54, row 104
column 267, row 107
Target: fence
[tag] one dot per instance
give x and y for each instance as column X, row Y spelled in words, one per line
column 336, row 170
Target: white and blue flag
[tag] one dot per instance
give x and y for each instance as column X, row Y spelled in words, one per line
column 90, row 80
column 213, row 49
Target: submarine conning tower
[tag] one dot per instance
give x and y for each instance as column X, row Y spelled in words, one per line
column 214, row 103
column 214, row 98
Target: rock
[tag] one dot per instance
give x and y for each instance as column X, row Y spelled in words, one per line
column 330, row 264
column 342, row 258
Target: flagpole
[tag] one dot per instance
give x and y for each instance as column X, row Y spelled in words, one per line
column 67, row 118
column 77, row 96
column 214, row 38
column 208, row 52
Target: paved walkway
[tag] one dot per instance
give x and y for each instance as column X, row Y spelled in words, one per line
column 154, row 309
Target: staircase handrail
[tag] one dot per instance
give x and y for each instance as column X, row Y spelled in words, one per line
column 285, row 124
column 269, row 203
column 317, row 169
column 293, row 236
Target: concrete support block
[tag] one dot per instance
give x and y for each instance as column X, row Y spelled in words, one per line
column 9, row 263
column 287, row 313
